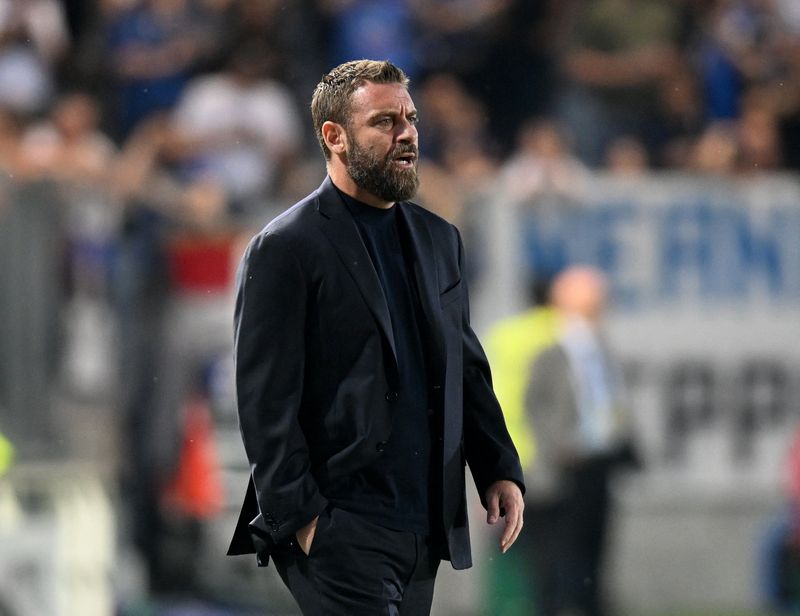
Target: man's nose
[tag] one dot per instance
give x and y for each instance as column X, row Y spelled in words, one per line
column 407, row 132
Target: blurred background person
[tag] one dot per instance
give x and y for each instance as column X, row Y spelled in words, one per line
column 371, row 29
column 617, row 53
column 239, row 127
column 69, row 145
column 626, row 157
column 152, row 50
column 583, row 433
column 69, row 149
column 10, row 135
column 34, row 40
column 295, row 61
column 543, row 167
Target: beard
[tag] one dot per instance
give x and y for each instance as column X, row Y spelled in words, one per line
column 380, row 176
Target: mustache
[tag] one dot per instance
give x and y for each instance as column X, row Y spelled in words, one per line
column 404, row 148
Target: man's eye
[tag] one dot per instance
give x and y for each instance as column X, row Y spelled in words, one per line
column 413, row 120
column 384, row 122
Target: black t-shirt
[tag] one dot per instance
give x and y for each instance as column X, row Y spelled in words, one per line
column 395, row 491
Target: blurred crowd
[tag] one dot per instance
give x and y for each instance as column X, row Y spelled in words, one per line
column 209, row 95
column 190, row 115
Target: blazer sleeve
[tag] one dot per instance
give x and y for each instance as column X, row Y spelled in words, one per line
column 269, row 367
column 488, row 447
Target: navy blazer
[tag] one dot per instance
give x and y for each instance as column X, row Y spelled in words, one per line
column 316, row 368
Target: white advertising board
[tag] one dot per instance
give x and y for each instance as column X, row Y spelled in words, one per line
column 705, row 287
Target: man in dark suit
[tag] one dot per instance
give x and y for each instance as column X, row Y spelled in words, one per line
column 362, row 389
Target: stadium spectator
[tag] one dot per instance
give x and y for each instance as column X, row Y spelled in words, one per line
column 41, row 23
column 520, row 64
column 33, row 40
column 742, row 44
column 239, row 126
column 452, row 115
column 371, row 29
column 759, row 135
column 10, row 134
column 682, row 118
column 296, row 60
column 458, row 37
column 543, row 166
column 626, row 157
column 716, row 151
column 152, row 47
column 618, row 53
column 69, row 145
column 459, row 157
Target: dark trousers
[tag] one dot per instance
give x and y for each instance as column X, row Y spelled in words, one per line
column 583, row 525
column 358, row 568
column 540, row 548
column 565, row 543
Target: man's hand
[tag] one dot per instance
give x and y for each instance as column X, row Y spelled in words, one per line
column 506, row 495
column 305, row 535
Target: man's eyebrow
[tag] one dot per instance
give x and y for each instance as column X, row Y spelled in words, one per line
column 390, row 112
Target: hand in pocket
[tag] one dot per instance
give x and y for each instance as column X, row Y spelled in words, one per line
column 305, row 535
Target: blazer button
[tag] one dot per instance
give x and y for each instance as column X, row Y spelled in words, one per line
column 380, row 446
column 391, row 396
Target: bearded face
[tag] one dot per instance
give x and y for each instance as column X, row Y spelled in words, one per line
column 391, row 178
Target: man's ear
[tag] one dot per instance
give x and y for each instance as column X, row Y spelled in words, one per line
column 335, row 137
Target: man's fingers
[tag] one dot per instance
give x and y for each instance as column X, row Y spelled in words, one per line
column 512, row 529
column 305, row 535
column 514, row 508
column 308, row 539
column 504, row 498
column 492, row 507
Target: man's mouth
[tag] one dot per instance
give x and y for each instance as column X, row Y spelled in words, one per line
column 405, row 160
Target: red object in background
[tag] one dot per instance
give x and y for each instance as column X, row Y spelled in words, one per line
column 793, row 470
column 792, row 487
column 201, row 264
column 196, row 489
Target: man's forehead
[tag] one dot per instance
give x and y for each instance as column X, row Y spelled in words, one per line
column 374, row 96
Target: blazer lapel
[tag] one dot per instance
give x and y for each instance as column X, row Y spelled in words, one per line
column 340, row 228
column 426, row 274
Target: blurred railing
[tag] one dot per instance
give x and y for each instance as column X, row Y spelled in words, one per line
column 32, row 243
column 57, row 531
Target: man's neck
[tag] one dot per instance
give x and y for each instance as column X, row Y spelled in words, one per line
column 342, row 180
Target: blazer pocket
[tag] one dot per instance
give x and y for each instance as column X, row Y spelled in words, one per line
column 450, row 295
